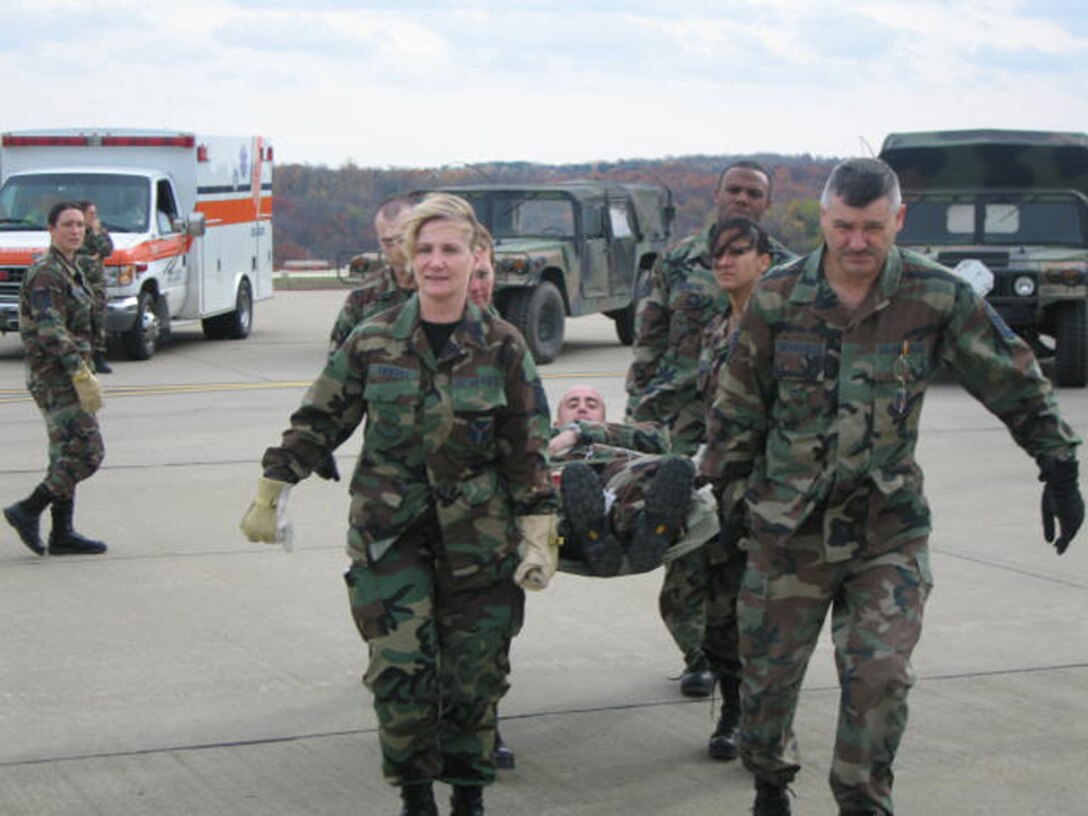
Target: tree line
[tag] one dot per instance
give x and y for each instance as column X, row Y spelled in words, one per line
column 326, row 214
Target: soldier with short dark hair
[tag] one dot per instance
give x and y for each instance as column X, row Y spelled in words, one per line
column 390, row 284
column 56, row 324
column 625, row 500
column 452, row 511
column 740, row 253
column 817, row 416
column 662, row 387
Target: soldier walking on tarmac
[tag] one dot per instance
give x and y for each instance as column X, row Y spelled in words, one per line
column 662, row 388
column 452, row 511
column 389, row 285
column 56, row 309
column 816, row 416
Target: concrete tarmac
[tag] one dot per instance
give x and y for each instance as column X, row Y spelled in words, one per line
column 191, row 672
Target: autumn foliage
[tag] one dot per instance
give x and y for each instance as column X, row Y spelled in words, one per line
column 326, row 214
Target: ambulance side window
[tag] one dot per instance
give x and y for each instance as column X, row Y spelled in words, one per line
column 166, row 210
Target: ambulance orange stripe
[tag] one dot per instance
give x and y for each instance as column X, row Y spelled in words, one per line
column 141, row 253
column 234, row 210
column 150, row 251
column 19, row 257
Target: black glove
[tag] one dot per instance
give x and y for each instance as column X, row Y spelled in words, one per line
column 327, row 469
column 1061, row 500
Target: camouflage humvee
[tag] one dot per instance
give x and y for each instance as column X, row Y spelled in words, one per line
column 1018, row 202
column 570, row 248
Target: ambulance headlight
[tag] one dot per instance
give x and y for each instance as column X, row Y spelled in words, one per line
column 1024, row 286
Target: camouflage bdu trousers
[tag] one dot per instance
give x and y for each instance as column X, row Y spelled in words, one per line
column 438, row 658
column 75, row 441
column 682, row 603
column 685, row 589
column 876, row 619
column 95, row 275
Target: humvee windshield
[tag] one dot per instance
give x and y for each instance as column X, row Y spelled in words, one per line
column 522, row 216
column 1053, row 220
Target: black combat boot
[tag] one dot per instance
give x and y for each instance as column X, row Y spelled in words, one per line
column 24, row 515
column 662, row 519
column 418, row 800
column 100, row 364
column 771, row 799
column 723, row 742
column 467, row 800
column 63, row 540
column 587, row 523
column 697, row 679
column 502, row 754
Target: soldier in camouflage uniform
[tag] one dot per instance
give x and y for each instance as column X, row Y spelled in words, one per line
column 56, row 309
column 740, row 254
column 817, row 416
column 481, row 288
column 97, row 246
column 452, row 512
column 662, row 387
column 626, row 504
column 382, row 288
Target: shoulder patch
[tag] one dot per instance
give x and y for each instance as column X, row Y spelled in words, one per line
column 41, row 300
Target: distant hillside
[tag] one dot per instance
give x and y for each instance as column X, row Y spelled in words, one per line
column 325, row 214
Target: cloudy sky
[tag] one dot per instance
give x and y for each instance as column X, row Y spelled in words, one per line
column 424, row 83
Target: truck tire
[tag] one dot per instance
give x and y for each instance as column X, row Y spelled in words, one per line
column 142, row 340
column 234, row 325
column 1071, row 344
column 539, row 315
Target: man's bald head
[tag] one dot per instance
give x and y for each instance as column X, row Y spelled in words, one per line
column 580, row 402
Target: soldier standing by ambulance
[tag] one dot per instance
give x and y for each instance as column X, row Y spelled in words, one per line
column 56, row 309
column 452, row 512
column 817, row 414
column 97, row 246
column 662, row 388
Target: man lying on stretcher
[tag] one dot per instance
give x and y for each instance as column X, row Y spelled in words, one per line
column 626, row 504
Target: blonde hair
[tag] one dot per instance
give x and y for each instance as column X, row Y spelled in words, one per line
column 440, row 206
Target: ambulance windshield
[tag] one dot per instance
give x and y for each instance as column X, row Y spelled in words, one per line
column 123, row 201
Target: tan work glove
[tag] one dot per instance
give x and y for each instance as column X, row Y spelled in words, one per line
column 266, row 519
column 539, row 551
column 88, row 389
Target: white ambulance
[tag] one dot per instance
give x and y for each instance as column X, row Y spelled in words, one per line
column 190, row 217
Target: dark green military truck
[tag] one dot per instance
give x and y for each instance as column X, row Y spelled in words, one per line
column 1016, row 200
column 569, row 249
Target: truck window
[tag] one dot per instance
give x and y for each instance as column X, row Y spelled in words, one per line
column 123, row 201
column 620, row 217
column 165, row 208
column 519, row 217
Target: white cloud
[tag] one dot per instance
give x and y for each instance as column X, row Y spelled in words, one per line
column 419, row 83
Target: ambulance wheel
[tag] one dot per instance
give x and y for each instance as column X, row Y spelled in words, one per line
column 234, row 325
column 142, row 340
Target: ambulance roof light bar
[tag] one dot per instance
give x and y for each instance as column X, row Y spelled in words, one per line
column 180, row 140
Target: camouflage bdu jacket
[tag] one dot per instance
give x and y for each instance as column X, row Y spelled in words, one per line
column 465, row 434
column 662, row 381
column 609, row 443
column 378, row 293
column 95, row 249
column 825, row 405
column 55, row 319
